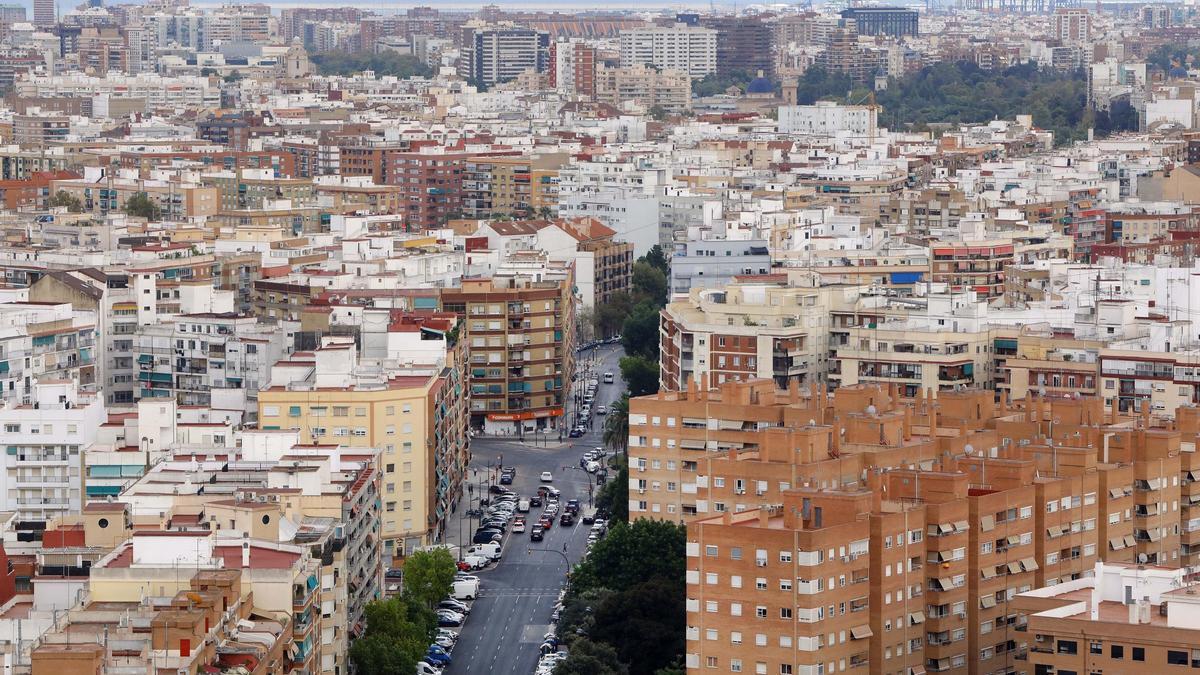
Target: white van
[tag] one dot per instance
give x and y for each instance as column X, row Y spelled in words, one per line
column 523, row 506
column 489, row 551
column 465, row 589
column 608, row 378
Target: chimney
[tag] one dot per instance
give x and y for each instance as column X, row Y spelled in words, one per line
column 1134, row 613
column 1115, row 410
column 793, row 391
column 907, row 422
column 245, row 554
column 1003, row 402
column 933, row 421
column 764, row 516
column 1144, row 611
column 835, row 443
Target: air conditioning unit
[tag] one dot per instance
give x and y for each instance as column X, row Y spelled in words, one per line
column 641, row 491
column 761, row 562
column 739, row 492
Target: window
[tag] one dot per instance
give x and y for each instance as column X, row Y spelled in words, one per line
column 711, row 662
column 1177, row 658
column 760, row 612
column 735, row 665
column 710, row 551
column 785, row 612
column 735, row 637
column 1095, row 647
column 1139, row 653
column 1116, row 652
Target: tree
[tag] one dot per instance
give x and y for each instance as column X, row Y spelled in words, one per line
column 428, row 575
column 644, row 624
column 611, row 315
column 398, row 633
column 383, row 63
column 640, row 375
column 639, row 333
column 577, row 617
column 616, row 425
column 658, row 260
column 614, row 495
column 649, row 284
column 657, row 113
column 633, row 554
column 591, row 658
column 235, row 76
column 70, row 201
column 141, row 206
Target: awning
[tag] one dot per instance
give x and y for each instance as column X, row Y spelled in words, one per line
column 1152, row 509
column 1129, row 540
column 1192, row 474
column 1029, row 564
column 987, row 601
column 1053, row 531
column 961, row 525
column 1116, row 493
column 860, row 632
column 1013, row 540
column 987, row 523
column 916, row 618
column 988, row 572
column 942, row 664
column 1014, row 568
column 1155, row 483
column 1153, row 534
column 1116, row 543
column 946, row 583
column 942, row 556
column 916, row 670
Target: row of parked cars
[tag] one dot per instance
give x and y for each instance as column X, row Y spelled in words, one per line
column 551, row 655
column 585, row 410
column 452, row 612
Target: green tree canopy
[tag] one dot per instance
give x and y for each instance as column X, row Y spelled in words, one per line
column 633, row 554
column 639, row 333
column 614, row 495
column 428, row 575
column 611, row 315
column 70, row 201
column 640, row 375
column 591, row 658
column 141, row 206
column 658, row 260
column 384, row 63
column 649, row 284
column 398, row 633
column 645, row 624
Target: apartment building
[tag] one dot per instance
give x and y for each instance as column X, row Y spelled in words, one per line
column 962, row 505
column 44, row 342
column 688, row 49
column 493, row 54
column 176, row 200
column 518, row 186
column 519, row 331
column 746, row 331
column 645, row 86
column 1122, row 618
column 415, row 413
column 217, row 360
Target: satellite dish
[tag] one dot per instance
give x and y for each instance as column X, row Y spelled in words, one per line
column 871, row 410
column 968, row 448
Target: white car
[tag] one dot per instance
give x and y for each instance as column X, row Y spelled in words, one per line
column 601, row 410
column 547, row 477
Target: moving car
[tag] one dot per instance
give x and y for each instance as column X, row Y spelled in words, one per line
column 567, row 519
column 577, row 432
column 506, row 479
column 608, row 378
column 546, row 477
column 536, row 533
column 573, row 506
column 601, row 409
column 518, row 527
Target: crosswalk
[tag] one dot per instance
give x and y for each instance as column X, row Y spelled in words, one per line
column 518, row 592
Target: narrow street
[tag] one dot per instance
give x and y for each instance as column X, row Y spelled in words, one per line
column 513, row 611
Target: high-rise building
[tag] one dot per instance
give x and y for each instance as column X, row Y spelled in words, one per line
column 744, row 44
column 498, row 53
column 1073, row 25
column 573, row 67
column 690, row 49
column 894, row 21
column 12, row 13
column 45, row 13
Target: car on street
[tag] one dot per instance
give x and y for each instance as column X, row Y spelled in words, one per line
column 518, row 527
column 454, row 606
column 506, row 479
column 567, row 519
column 536, row 533
column 545, row 522
column 601, row 409
column 592, row 467
column 608, row 378
column 573, row 506
column 535, row 500
column 577, row 432
column 546, row 477
column 485, row 536
column 449, row 618
column 589, row 519
column 424, row 668
column 477, row 562
column 499, row 490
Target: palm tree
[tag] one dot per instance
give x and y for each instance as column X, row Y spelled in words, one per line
column 616, row 427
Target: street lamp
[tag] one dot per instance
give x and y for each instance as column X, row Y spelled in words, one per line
column 566, row 561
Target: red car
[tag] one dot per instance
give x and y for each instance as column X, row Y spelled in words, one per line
column 546, row 523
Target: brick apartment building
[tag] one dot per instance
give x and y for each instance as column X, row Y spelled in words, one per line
column 907, row 527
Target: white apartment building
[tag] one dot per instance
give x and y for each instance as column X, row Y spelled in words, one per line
column 827, row 118
column 44, row 444
column 690, row 49
column 158, row 91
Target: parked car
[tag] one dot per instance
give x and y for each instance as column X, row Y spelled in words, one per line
column 506, row 479
column 477, row 562
column 498, row 490
column 485, row 536
column 592, row 466
column 424, row 668
column 490, row 551
column 448, row 617
column 437, row 655
column 454, row 606
column 465, row 589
